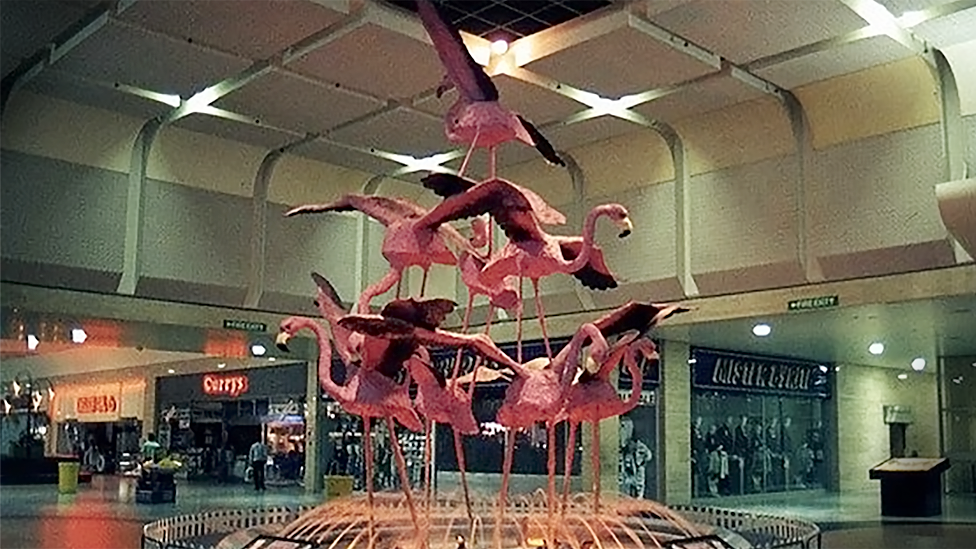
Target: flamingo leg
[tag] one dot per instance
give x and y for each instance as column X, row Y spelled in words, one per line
column 368, row 446
column 459, row 450
column 542, row 317
column 402, row 469
column 389, row 279
column 467, row 157
column 491, row 162
column 503, row 494
column 464, row 330
column 477, row 362
column 428, row 473
column 570, row 455
column 595, row 453
column 551, row 488
column 423, row 283
column 519, row 328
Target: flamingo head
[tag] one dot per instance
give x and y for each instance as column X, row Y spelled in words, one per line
column 621, row 218
column 287, row 329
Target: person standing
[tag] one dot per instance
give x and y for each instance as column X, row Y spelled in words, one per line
column 258, row 456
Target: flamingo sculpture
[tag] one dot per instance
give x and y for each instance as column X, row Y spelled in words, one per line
column 593, row 398
column 367, row 393
column 442, row 402
column 406, row 242
column 531, row 252
column 538, row 393
column 476, row 117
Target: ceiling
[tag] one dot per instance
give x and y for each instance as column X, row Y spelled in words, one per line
column 345, row 78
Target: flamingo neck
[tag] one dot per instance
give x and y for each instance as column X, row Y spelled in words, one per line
column 424, row 377
column 636, row 376
column 325, row 355
column 589, row 228
column 567, row 359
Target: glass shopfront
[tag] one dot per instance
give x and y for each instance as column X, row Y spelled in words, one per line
column 757, row 424
column 638, row 463
column 210, row 421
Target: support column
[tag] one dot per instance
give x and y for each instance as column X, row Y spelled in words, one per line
column 135, row 206
column 149, row 406
column 675, row 437
column 317, row 429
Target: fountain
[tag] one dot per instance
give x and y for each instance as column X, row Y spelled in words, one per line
column 388, row 351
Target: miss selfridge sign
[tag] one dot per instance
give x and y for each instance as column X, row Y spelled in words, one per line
column 715, row 369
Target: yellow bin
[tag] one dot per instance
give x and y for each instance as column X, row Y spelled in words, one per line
column 68, row 477
column 337, row 486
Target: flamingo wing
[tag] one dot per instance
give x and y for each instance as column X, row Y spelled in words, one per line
column 540, row 143
column 429, row 313
column 447, row 184
column 466, row 74
column 329, row 291
column 595, row 274
column 384, row 209
column 636, row 316
column 377, row 326
column 504, row 201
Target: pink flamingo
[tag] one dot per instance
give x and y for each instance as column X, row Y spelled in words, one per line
column 531, row 252
column 593, row 398
column 538, row 393
column 407, row 242
column 476, row 117
column 367, row 393
column 442, row 402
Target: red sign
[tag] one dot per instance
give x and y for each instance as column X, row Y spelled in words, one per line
column 225, row 385
column 99, row 404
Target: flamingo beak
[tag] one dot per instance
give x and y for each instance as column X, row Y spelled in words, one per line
column 281, row 341
column 626, row 227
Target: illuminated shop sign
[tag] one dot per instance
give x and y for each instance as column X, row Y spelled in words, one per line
column 232, row 385
column 715, row 369
column 96, row 404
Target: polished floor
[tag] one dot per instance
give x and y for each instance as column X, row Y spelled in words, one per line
column 103, row 515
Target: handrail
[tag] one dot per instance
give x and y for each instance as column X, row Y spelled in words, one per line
column 763, row 531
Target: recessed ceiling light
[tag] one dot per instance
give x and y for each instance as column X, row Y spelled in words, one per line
column 78, row 335
column 836, row 368
column 222, row 365
column 876, row 348
column 258, row 350
column 499, row 47
column 902, row 376
column 918, row 364
column 172, row 371
column 762, row 330
column 32, row 342
column 272, row 359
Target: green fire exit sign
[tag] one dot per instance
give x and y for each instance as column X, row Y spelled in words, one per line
column 821, row 302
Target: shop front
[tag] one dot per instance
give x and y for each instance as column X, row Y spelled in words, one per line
column 211, row 419
column 100, row 423
column 757, row 423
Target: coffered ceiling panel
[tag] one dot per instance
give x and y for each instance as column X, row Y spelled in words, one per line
column 96, row 94
column 344, row 156
column 399, row 130
column 297, row 102
column 620, row 63
column 730, row 27
column 28, row 26
column 376, row 60
column 826, row 64
column 251, row 134
column 248, row 28
column 950, row 30
column 126, row 54
column 703, row 97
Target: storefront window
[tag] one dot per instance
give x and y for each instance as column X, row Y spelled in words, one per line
column 757, row 424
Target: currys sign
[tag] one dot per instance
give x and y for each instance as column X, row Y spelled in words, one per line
column 227, row 385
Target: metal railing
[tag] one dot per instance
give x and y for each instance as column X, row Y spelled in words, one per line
column 185, row 531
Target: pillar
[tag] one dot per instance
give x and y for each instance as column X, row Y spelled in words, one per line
column 675, row 437
column 316, row 430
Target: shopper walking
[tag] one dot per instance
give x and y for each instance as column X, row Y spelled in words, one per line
column 258, row 456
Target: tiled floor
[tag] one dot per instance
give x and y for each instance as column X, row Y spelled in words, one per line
column 103, row 515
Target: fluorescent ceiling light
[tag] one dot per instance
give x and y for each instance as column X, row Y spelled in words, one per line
column 762, row 330
column 222, row 365
column 172, row 371
column 876, row 348
column 902, row 376
column 32, row 342
column 78, row 335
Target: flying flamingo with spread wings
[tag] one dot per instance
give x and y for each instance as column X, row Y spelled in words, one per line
column 531, row 252
column 406, row 243
column 593, row 397
column 538, row 393
column 476, row 117
column 367, row 393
